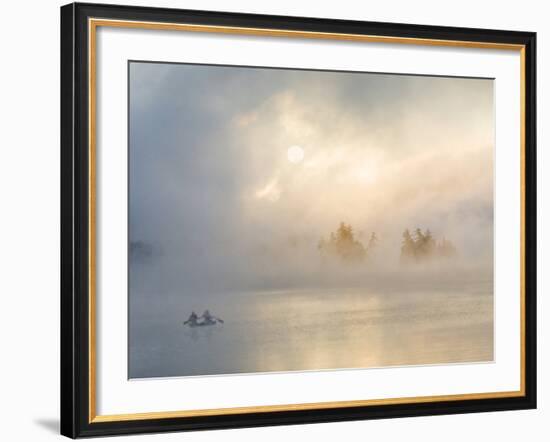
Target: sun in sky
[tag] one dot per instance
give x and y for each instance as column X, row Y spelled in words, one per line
column 295, row 154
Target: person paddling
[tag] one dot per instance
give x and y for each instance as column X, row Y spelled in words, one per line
column 207, row 317
column 192, row 319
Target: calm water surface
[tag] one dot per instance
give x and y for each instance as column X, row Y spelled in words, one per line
column 310, row 330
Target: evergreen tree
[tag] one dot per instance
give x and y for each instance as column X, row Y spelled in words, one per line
column 373, row 241
column 407, row 247
column 429, row 246
column 343, row 244
column 446, row 249
column 418, row 236
column 423, row 246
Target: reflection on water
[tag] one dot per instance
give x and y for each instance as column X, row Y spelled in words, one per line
column 310, row 330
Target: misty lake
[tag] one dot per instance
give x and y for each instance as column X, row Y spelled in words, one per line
column 310, row 329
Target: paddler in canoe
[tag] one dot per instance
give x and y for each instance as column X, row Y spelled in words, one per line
column 206, row 319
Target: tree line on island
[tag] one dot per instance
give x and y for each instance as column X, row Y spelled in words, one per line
column 421, row 246
column 416, row 247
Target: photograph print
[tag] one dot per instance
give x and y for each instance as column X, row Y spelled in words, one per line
column 289, row 220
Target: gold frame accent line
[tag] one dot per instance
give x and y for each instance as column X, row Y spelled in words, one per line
column 92, row 28
column 305, row 406
column 302, row 34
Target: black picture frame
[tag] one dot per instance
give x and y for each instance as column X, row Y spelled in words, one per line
column 75, row 221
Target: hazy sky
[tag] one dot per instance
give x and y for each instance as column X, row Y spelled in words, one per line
column 212, row 179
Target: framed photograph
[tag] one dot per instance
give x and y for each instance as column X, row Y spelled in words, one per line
column 274, row 220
